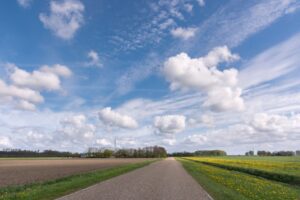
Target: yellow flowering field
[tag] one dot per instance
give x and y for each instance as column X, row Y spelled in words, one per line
column 228, row 184
column 284, row 169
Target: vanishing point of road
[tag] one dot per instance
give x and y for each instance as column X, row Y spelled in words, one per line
column 162, row 180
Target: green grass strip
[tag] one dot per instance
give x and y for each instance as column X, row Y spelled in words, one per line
column 285, row 178
column 223, row 184
column 60, row 187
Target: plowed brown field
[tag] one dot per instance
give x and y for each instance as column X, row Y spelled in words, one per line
column 25, row 171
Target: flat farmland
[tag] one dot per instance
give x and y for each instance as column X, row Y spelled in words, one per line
column 26, row 171
column 283, row 169
column 240, row 177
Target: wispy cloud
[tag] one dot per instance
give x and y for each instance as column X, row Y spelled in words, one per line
column 265, row 89
column 273, row 63
column 138, row 72
column 160, row 20
column 246, row 19
column 233, row 23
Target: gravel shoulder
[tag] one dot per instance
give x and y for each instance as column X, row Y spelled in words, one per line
column 163, row 180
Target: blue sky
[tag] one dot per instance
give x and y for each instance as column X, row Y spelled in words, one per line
column 184, row 74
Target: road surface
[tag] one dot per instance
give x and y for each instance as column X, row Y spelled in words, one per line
column 163, row 180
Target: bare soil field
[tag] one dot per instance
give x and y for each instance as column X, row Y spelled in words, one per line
column 25, row 171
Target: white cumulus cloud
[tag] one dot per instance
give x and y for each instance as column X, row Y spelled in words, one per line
column 263, row 122
column 25, row 105
column 225, row 99
column 206, row 120
column 188, row 7
column 195, row 139
column 46, row 78
column 65, row 18
column 25, row 3
column 77, row 128
column 201, row 3
column 169, row 124
column 261, row 128
column 183, row 33
column 94, row 59
column 104, row 142
column 21, row 93
column 201, row 74
column 115, row 119
column 24, row 88
column 169, row 141
column 5, row 142
column 59, row 70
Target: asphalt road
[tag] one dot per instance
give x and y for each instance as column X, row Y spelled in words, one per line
column 163, row 180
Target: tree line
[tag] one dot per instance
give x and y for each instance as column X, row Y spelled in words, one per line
column 28, row 153
column 199, row 153
column 275, row 153
column 146, row 152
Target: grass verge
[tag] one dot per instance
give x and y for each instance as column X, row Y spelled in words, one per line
column 223, row 184
column 57, row 188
